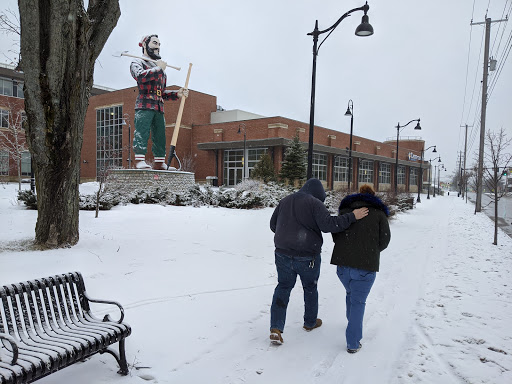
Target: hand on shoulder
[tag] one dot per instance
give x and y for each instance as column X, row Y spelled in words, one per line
column 360, row 213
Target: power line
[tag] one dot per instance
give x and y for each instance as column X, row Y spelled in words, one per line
column 502, row 60
column 476, row 74
column 503, row 15
column 506, row 51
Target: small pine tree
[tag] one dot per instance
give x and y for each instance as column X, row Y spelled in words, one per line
column 294, row 165
column 264, row 169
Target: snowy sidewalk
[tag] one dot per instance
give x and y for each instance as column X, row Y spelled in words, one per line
column 198, row 297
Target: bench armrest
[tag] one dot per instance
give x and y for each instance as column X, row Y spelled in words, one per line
column 14, row 346
column 107, row 317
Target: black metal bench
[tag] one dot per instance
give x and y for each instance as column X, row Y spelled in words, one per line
column 46, row 325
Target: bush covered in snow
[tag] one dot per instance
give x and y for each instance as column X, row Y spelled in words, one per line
column 29, row 198
column 249, row 194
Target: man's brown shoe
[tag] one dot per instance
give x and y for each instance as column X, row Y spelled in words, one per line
column 275, row 336
column 317, row 324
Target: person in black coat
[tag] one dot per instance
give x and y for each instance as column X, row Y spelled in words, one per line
column 357, row 255
column 298, row 222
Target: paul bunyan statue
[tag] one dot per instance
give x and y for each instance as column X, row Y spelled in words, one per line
column 149, row 106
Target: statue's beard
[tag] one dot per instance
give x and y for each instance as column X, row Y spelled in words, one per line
column 152, row 54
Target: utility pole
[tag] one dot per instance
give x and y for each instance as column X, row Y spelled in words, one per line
column 488, row 21
column 460, row 177
column 465, row 190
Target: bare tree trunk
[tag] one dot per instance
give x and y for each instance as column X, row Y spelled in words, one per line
column 19, row 174
column 97, row 202
column 496, row 215
column 60, row 42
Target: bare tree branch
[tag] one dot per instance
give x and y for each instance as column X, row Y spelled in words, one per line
column 497, row 160
column 10, row 23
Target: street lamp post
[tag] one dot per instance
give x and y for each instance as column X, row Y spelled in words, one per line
column 397, row 137
column 242, row 125
column 350, row 112
column 430, row 173
column 364, row 29
column 420, row 187
column 435, row 172
column 126, row 116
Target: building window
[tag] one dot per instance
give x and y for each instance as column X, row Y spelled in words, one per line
column 4, row 162
column 5, row 87
column 26, row 166
column 233, row 166
column 366, row 171
column 319, row 166
column 17, row 89
column 413, row 176
column 385, row 173
column 253, row 157
column 341, row 168
column 10, row 87
column 109, row 139
column 401, row 174
column 4, row 118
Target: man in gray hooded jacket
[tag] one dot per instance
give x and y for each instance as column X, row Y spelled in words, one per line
column 298, row 222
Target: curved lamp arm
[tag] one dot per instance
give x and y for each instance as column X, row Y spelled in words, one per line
column 14, row 346
column 403, row 126
column 317, row 33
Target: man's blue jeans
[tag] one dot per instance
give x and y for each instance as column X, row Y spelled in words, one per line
column 357, row 283
column 287, row 270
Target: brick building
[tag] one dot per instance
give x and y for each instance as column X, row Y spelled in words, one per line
column 211, row 143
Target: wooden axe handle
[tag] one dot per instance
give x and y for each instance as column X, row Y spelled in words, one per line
column 148, row 59
column 180, row 110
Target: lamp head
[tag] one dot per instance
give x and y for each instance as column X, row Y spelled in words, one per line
column 365, row 28
column 439, row 160
column 434, row 151
column 348, row 113
column 418, row 125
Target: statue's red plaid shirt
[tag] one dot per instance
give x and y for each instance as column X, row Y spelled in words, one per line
column 151, row 81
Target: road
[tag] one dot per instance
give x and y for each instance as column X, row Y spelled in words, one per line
column 504, row 210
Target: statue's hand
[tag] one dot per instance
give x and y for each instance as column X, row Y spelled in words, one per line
column 183, row 92
column 162, row 64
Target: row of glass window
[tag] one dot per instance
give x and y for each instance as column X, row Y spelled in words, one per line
column 26, row 167
column 233, row 168
column 10, row 87
column 365, row 173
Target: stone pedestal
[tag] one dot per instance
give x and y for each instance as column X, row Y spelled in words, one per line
column 139, row 179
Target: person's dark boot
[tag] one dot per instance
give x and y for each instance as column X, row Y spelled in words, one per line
column 354, row 350
column 317, row 324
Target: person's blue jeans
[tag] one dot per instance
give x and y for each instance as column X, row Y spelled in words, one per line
column 357, row 283
column 287, row 270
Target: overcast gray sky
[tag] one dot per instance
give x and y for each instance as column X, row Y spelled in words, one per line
column 424, row 61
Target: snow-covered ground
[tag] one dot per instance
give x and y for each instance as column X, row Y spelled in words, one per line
column 197, row 283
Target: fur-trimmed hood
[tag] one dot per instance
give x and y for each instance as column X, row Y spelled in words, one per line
column 371, row 200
